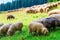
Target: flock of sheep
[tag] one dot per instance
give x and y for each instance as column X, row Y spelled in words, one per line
column 45, row 25
column 39, row 26
column 42, row 8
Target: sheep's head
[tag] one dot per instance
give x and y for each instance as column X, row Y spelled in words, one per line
column 44, row 31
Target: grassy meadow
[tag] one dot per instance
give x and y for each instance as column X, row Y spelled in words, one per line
column 26, row 19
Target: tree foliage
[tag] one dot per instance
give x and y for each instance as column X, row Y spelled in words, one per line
column 15, row 4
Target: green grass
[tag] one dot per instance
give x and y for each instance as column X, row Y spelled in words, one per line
column 26, row 19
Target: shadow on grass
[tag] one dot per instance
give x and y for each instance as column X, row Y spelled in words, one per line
column 1, row 36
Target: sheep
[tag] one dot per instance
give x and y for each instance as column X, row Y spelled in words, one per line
column 49, row 6
column 41, row 9
column 58, row 2
column 31, row 10
column 4, row 28
column 55, row 4
column 11, row 30
column 15, row 27
column 54, row 12
column 28, row 10
column 57, row 16
column 37, row 28
column 10, row 16
column 19, row 26
column 47, row 10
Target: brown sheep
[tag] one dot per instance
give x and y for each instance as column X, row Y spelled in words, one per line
column 14, row 27
column 9, row 16
column 4, row 29
column 37, row 28
column 54, row 12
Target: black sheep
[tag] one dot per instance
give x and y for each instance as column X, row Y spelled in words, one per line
column 10, row 17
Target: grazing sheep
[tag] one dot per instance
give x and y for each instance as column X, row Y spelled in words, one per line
column 4, row 29
column 49, row 23
column 11, row 30
column 57, row 16
column 55, row 5
column 10, row 16
column 41, row 9
column 38, row 10
column 19, row 26
column 58, row 3
column 47, row 10
column 44, row 9
column 49, row 6
column 37, row 28
column 28, row 10
column 54, row 12
column 14, row 27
